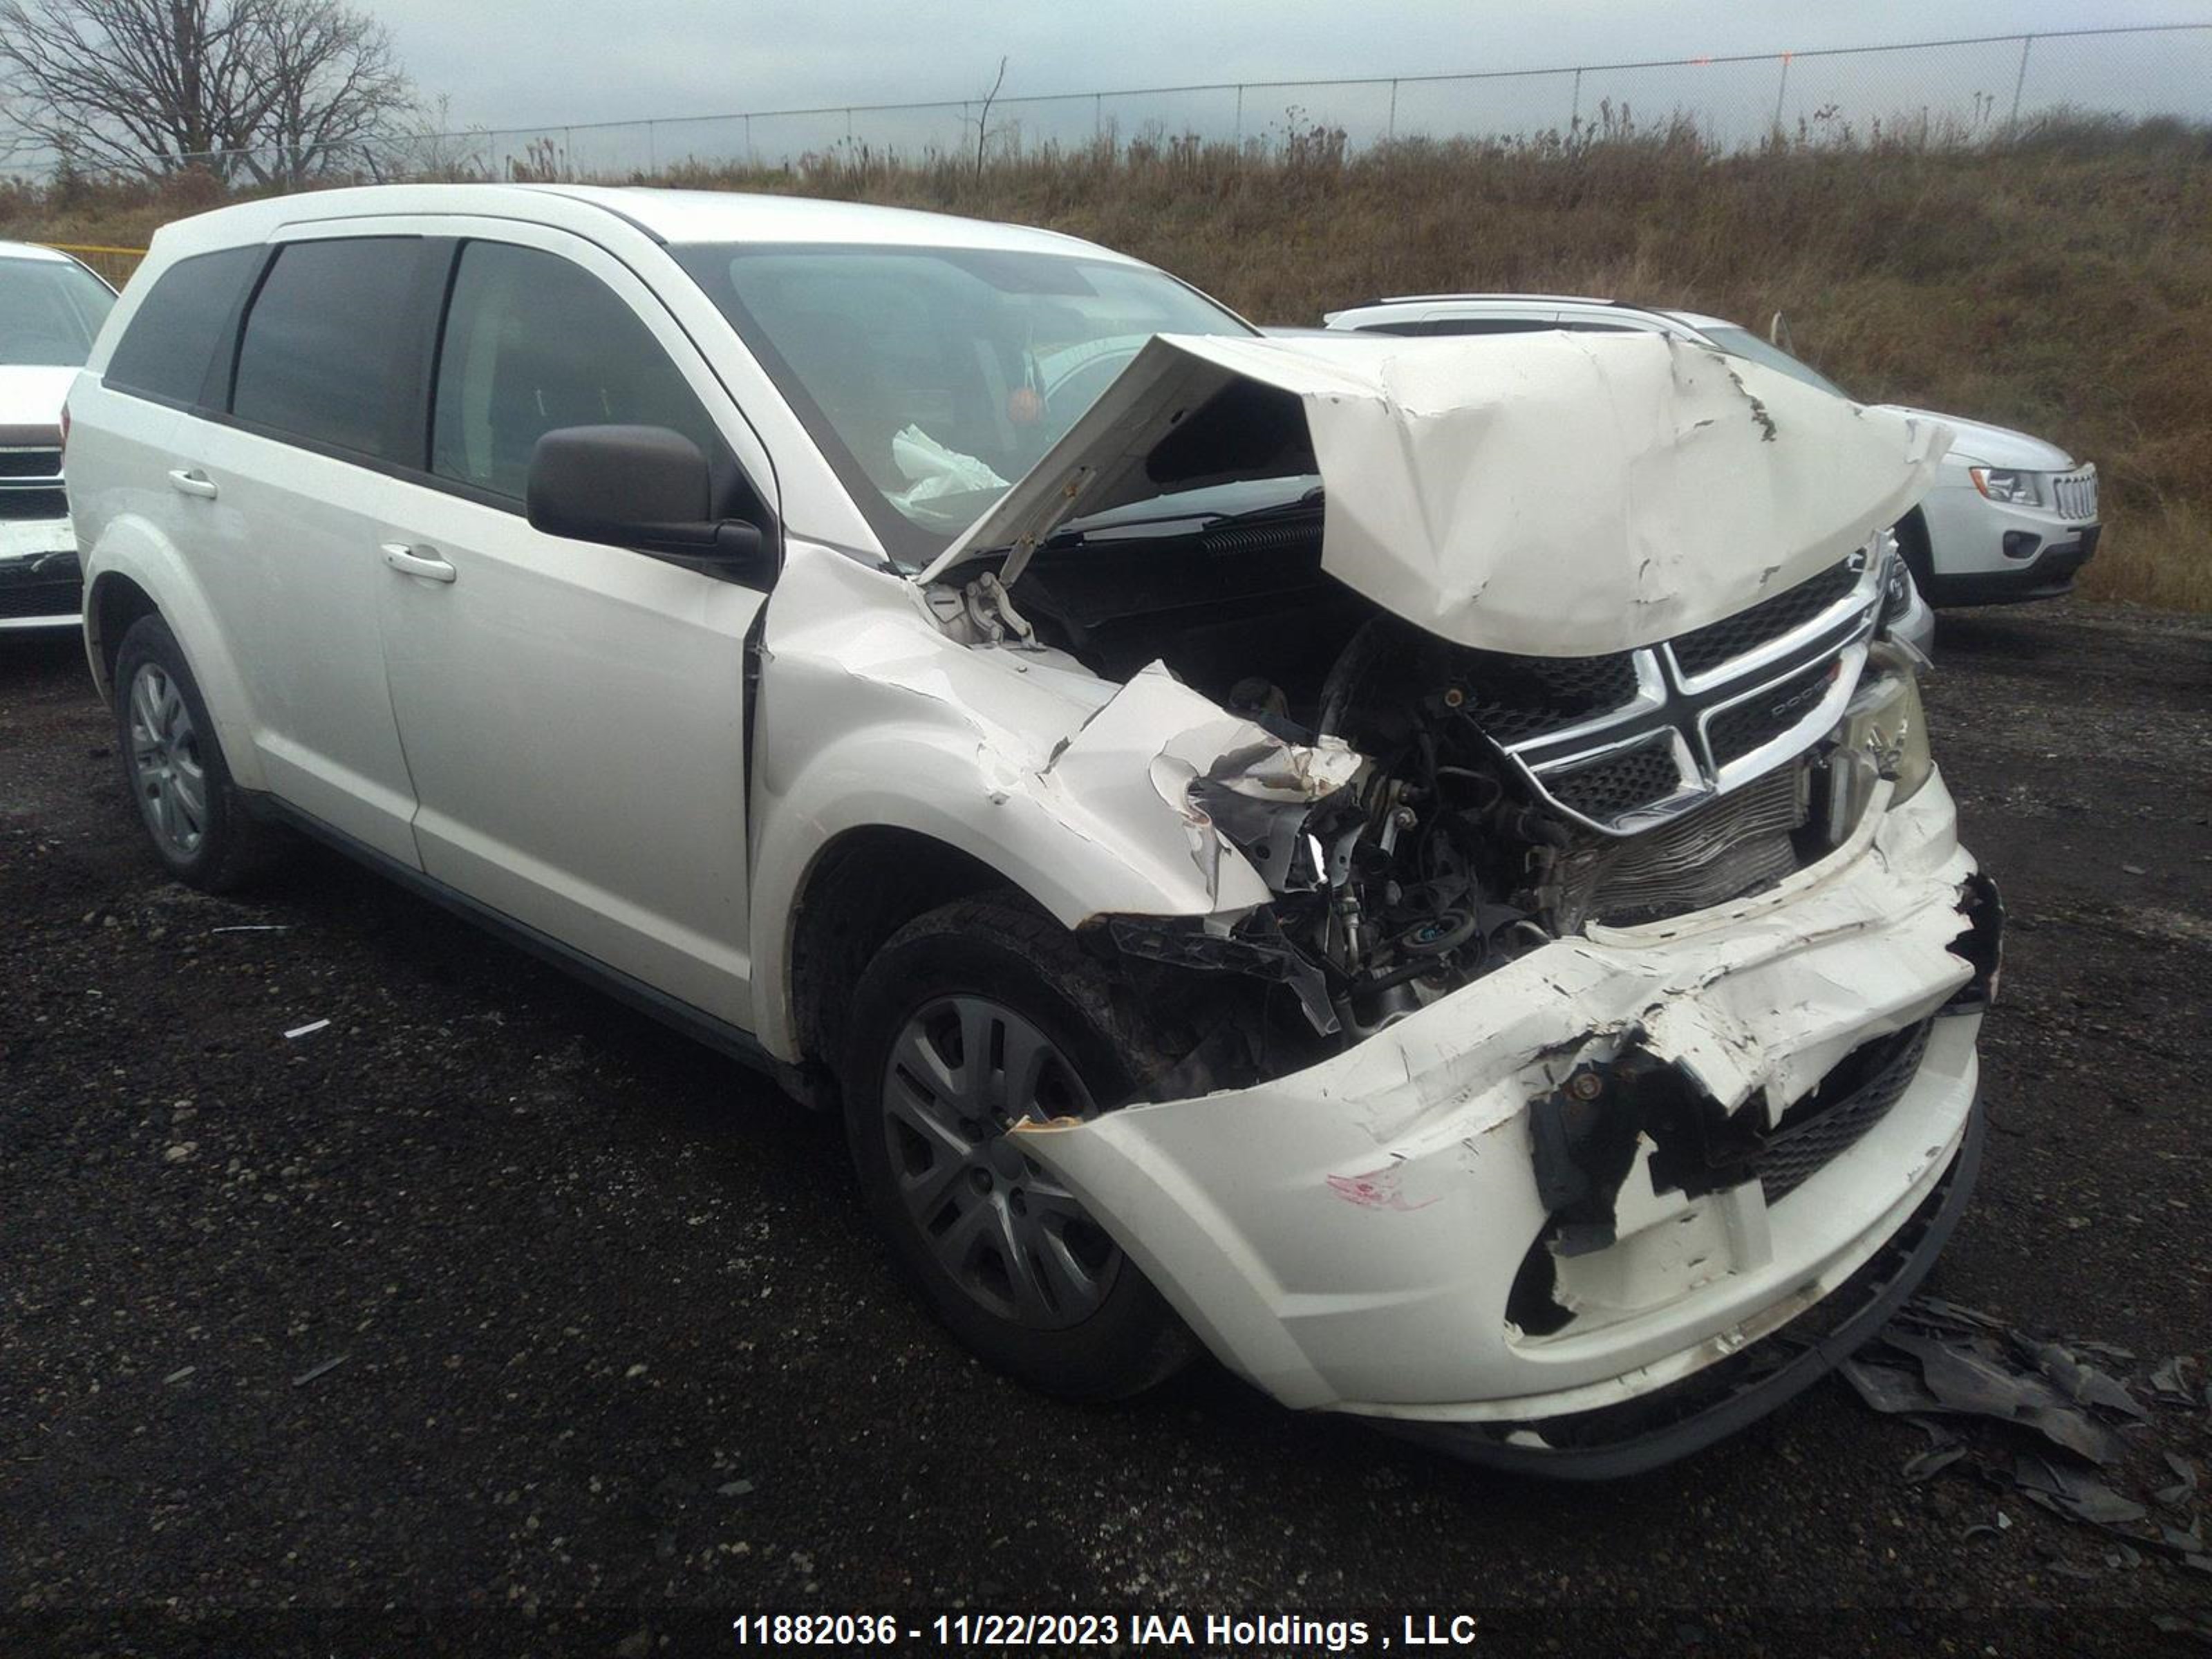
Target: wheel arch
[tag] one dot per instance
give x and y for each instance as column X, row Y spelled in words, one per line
column 112, row 604
column 134, row 572
column 861, row 887
column 1914, row 542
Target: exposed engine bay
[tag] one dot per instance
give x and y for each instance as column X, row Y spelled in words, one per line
column 1426, row 811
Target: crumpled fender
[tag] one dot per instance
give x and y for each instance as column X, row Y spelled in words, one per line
column 1071, row 787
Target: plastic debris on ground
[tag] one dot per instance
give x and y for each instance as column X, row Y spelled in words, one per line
column 2090, row 1436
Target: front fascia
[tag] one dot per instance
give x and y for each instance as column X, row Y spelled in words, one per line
column 1347, row 1237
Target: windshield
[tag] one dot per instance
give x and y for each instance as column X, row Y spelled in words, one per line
column 932, row 377
column 49, row 313
column 1742, row 342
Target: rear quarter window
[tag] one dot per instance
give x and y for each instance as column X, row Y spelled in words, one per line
column 172, row 338
column 316, row 359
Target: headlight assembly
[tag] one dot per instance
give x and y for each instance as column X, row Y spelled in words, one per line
column 1887, row 728
column 2013, row 488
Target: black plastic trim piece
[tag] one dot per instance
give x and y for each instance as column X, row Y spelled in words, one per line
column 695, row 1022
column 2048, row 575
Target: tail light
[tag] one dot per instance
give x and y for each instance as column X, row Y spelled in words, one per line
column 65, row 431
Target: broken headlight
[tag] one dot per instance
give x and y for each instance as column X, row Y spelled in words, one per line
column 1886, row 728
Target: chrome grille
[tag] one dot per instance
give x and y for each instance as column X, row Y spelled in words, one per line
column 1703, row 649
column 1742, row 728
column 1624, row 742
column 1514, row 698
column 1623, row 780
column 2074, row 495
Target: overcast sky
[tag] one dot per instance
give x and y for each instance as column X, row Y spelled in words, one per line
column 528, row 63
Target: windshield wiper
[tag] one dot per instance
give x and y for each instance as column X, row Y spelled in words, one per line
column 1073, row 530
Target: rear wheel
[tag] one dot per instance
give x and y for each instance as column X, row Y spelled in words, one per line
column 971, row 1019
column 173, row 766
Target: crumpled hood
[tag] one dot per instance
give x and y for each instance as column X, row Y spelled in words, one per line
column 31, row 399
column 1552, row 493
column 1979, row 443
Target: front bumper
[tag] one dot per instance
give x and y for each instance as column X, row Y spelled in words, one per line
column 41, row 583
column 1358, row 1237
column 1985, row 552
column 1671, row 1422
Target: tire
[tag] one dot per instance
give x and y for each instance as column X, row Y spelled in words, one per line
column 195, row 818
column 1061, row 1307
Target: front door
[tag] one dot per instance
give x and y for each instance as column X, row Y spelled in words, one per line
column 572, row 715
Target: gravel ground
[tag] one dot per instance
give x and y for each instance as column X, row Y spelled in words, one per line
column 492, row 1295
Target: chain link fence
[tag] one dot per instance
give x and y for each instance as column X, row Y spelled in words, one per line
column 1960, row 91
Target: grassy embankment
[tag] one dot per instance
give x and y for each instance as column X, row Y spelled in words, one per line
column 2061, row 282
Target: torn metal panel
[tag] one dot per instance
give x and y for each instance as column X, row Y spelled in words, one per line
column 1241, row 1205
column 1076, row 790
column 1157, row 735
column 1546, row 494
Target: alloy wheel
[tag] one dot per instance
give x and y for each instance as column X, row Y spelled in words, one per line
column 165, row 762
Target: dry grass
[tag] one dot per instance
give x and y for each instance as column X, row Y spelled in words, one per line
column 2061, row 282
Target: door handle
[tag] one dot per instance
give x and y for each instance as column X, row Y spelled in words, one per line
column 417, row 561
column 192, row 481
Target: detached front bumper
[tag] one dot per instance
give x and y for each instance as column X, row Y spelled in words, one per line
column 1443, row 1228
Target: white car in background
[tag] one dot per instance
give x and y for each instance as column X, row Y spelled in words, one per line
column 2010, row 517
column 51, row 310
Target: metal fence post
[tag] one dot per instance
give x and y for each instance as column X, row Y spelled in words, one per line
column 2019, row 81
column 1240, row 115
column 1783, row 87
column 1392, row 132
column 1575, row 120
column 652, row 149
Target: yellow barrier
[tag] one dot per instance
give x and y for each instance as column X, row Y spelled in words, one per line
column 115, row 264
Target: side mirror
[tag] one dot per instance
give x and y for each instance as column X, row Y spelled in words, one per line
column 642, row 487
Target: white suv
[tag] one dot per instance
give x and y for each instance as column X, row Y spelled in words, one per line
column 2009, row 517
column 51, row 311
column 1269, row 845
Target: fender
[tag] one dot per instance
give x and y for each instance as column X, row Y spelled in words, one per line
column 870, row 716
column 132, row 546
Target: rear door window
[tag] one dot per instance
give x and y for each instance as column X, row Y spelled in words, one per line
column 178, row 326
column 322, row 342
column 534, row 342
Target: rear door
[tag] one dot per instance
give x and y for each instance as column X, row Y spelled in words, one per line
column 573, row 715
column 284, row 487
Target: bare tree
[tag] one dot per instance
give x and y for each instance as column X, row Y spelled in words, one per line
column 333, row 89
column 282, row 88
column 983, row 121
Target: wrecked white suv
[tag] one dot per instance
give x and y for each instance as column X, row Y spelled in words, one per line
column 1411, row 864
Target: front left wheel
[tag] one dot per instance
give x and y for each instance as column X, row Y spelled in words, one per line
column 972, row 1019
